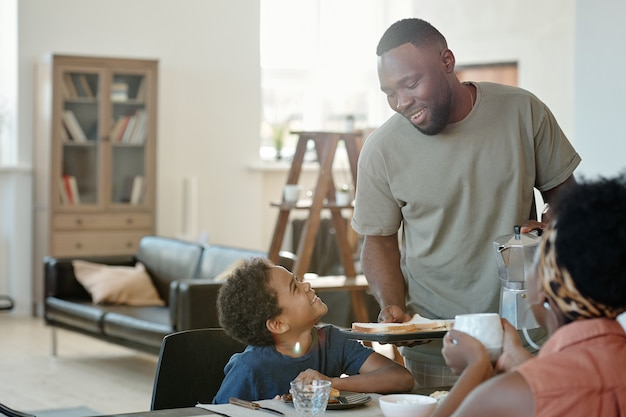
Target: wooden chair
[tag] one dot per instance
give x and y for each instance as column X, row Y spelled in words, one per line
column 190, row 369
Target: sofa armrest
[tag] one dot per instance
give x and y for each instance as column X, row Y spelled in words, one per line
column 193, row 304
column 59, row 278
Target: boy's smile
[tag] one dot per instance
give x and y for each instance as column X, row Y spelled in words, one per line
column 299, row 303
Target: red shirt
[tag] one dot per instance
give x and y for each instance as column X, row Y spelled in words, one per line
column 580, row 371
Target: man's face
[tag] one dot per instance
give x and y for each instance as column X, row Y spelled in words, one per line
column 415, row 82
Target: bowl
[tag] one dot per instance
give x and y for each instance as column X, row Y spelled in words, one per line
column 407, row 405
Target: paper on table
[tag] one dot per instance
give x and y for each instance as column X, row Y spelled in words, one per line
column 371, row 409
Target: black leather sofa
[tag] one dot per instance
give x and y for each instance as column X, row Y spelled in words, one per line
column 183, row 274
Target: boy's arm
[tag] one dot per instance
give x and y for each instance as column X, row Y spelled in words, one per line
column 377, row 374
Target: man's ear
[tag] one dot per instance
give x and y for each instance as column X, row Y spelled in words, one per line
column 276, row 326
column 448, row 60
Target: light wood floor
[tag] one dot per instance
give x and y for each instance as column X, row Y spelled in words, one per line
column 104, row 377
column 86, row 372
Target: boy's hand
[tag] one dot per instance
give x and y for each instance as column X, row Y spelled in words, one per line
column 311, row 374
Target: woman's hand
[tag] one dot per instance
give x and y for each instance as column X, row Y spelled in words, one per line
column 461, row 350
column 513, row 353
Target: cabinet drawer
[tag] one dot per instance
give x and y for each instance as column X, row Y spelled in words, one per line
column 102, row 221
column 96, row 243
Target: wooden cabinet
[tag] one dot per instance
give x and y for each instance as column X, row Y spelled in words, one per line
column 95, row 155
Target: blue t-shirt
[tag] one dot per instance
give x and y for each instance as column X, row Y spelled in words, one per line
column 260, row 372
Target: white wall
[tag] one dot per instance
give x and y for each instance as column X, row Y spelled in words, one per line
column 537, row 34
column 599, row 72
column 209, row 95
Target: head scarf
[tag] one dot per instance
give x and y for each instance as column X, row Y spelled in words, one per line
column 561, row 288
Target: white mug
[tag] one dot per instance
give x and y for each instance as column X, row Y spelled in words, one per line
column 486, row 327
column 291, row 193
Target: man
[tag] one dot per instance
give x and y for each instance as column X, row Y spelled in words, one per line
column 451, row 171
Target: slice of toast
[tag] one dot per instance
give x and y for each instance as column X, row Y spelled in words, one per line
column 416, row 324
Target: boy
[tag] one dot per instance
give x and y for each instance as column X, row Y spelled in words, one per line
column 271, row 310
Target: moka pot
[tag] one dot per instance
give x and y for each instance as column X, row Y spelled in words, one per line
column 514, row 257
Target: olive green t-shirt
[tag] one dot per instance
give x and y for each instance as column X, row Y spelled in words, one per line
column 450, row 195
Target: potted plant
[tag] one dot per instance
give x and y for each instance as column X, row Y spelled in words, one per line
column 278, row 137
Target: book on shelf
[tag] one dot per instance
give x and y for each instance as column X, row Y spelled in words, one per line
column 141, row 90
column 68, row 85
column 139, row 128
column 69, row 190
column 64, row 194
column 117, row 130
column 73, row 127
column 129, row 128
column 78, row 85
column 65, row 136
column 136, row 194
column 74, row 187
column 82, row 80
column 119, row 91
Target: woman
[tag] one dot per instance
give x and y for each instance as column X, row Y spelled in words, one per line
column 577, row 290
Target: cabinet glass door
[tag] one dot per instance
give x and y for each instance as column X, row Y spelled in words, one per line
column 128, row 138
column 79, row 139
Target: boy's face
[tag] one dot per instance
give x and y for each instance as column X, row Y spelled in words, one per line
column 301, row 307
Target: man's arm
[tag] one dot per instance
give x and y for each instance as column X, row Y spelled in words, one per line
column 549, row 197
column 380, row 259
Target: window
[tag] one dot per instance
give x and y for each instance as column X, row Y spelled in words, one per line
column 318, row 65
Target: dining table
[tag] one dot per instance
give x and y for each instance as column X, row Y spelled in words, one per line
column 369, row 409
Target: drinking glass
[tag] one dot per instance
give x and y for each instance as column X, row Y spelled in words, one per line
column 310, row 397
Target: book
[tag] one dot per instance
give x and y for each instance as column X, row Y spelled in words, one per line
column 68, row 84
column 117, row 129
column 73, row 127
column 65, row 136
column 65, row 198
column 141, row 90
column 74, row 189
column 82, row 79
column 140, row 136
column 129, row 128
column 119, row 91
column 136, row 194
column 67, row 187
column 135, row 134
column 79, row 87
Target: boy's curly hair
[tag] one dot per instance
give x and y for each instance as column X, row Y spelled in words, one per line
column 246, row 301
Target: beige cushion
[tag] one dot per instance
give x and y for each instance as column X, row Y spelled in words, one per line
column 117, row 284
column 223, row 276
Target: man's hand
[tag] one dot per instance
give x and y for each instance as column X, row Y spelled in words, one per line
column 531, row 225
column 395, row 314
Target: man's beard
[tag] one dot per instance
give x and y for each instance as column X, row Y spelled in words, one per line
column 440, row 115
